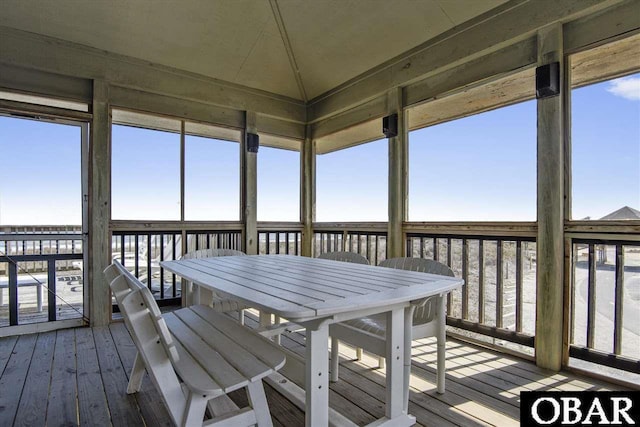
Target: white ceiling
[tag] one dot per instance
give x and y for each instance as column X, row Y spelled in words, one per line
column 255, row 43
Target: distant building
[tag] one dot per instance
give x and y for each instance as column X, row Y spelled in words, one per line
column 623, row 213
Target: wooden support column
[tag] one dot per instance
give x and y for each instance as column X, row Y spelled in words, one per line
column 550, row 243
column 99, row 239
column 307, row 192
column 397, row 177
column 250, row 188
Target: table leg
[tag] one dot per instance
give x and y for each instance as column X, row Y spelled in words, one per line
column 317, row 377
column 442, row 341
column 395, row 363
column 408, row 337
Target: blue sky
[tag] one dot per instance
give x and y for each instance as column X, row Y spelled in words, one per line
column 476, row 168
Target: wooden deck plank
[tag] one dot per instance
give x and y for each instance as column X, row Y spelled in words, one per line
column 98, row 362
column 6, row 348
column 32, row 410
column 122, row 406
column 148, row 398
column 62, row 407
column 92, row 401
column 14, row 377
column 374, row 390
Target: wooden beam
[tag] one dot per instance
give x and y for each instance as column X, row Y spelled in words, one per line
column 550, row 242
column 620, row 20
column 490, row 32
column 250, row 189
column 43, row 83
column 38, row 52
column 99, row 206
column 397, row 198
column 307, row 192
column 371, row 110
column 504, row 62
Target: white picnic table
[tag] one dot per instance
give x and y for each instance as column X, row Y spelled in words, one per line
column 316, row 293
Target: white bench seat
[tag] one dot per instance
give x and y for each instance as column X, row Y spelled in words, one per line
column 195, row 356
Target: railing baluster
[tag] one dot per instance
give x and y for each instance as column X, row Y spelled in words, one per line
column 619, row 306
column 450, row 294
column 149, row 272
column 51, row 289
column 591, row 296
column 518, row 286
column 136, row 262
column 480, row 281
column 13, row 293
column 499, row 285
column 436, row 251
column 465, row 277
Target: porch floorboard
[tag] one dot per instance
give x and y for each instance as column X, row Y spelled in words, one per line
column 79, row 377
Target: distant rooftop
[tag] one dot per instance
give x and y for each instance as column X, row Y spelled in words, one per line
column 623, row 213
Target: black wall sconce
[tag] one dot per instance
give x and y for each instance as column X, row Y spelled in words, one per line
column 390, row 126
column 548, row 80
column 253, row 142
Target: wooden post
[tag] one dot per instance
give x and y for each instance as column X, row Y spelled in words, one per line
column 99, row 206
column 250, row 189
column 550, row 243
column 397, row 177
column 307, row 192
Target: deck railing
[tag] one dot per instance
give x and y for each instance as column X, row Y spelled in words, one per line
column 279, row 238
column 498, row 299
column 368, row 240
column 142, row 251
column 25, row 254
column 605, row 301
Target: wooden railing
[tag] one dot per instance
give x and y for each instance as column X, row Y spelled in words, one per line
column 498, row 299
column 366, row 239
column 279, row 238
column 26, row 253
column 142, row 248
column 605, row 301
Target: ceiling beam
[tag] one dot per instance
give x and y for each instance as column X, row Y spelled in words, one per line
column 287, row 45
column 33, row 51
column 492, row 31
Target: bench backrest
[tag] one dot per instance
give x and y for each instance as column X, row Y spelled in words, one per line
column 150, row 334
column 426, row 311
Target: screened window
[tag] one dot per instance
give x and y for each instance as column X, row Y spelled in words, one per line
column 278, row 184
column 352, row 183
column 478, row 168
column 40, row 173
column 605, row 140
column 212, row 179
column 145, row 174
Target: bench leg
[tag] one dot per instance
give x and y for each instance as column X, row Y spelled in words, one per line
column 358, row 354
column 137, row 372
column 335, row 359
column 194, row 412
column 258, row 401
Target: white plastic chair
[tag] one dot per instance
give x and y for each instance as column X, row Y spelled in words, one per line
column 369, row 333
column 200, row 295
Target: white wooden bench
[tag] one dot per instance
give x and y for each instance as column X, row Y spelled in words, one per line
column 194, row 357
column 26, row 282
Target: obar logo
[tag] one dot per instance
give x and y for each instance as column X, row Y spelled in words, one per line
column 587, row 408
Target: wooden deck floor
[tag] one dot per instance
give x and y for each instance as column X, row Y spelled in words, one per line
column 79, row 376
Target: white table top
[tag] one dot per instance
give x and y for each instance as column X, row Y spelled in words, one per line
column 301, row 288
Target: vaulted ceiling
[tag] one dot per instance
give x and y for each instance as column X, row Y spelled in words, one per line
column 294, row 48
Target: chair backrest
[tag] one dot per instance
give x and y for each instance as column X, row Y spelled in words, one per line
column 208, row 253
column 148, row 329
column 426, row 311
column 344, row 256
